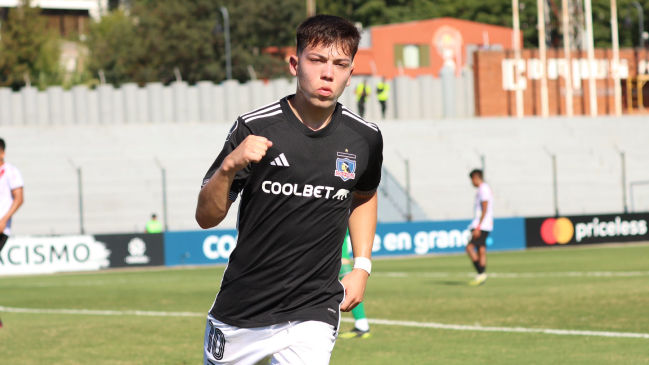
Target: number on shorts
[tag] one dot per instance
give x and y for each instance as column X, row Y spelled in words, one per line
column 215, row 342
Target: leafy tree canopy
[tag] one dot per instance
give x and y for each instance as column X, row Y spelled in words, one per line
column 28, row 53
column 153, row 37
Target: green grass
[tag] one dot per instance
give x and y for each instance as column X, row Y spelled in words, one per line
column 619, row 304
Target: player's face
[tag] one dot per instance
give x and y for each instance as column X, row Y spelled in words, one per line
column 322, row 74
column 475, row 180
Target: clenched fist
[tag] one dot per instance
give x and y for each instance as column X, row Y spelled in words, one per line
column 252, row 149
column 354, row 284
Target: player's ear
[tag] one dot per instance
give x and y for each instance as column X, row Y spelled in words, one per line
column 351, row 72
column 292, row 63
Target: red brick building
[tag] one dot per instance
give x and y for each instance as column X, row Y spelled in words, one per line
column 496, row 75
column 423, row 47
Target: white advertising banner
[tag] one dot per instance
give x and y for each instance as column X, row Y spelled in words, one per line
column 46, row 255
column 516, row 75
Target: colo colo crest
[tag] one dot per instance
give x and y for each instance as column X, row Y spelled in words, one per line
column 346, row 166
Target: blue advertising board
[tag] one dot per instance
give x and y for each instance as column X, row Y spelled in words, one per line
column 421, row 238
column 199, row 247
column 391, row 239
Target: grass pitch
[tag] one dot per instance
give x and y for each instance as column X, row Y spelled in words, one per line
column 532, row 289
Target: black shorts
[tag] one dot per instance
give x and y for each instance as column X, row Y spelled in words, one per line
column 482, row 240
column 3, row 240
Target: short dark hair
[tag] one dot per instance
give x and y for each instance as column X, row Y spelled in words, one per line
column 2, row 144
column 476, row 172
column 327, row 30
column 153, row 215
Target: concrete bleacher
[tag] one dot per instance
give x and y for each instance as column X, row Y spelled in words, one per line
column 122, row 182
column 519, row 168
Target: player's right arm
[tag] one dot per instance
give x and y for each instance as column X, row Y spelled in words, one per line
column 227, row 175
column 17, row 195
column 15, row 180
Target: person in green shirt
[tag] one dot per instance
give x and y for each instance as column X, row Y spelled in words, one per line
column 362, row 326
column 383, row 92
column 154, row 225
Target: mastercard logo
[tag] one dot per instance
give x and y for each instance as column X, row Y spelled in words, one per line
column 558, row 230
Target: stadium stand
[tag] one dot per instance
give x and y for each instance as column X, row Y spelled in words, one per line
column 122, row 181
column 518, row 164
column 207, row 102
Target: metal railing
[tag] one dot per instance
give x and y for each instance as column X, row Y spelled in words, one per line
column 631, row 186
column 398, row 197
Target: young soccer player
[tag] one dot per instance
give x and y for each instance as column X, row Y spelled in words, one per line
column 481, row 226
column 11, row 196
column 306, row 168
column 361, row 326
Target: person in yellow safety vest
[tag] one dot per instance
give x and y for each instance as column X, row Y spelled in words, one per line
column 363, row 90
column 154, row 225
column 383, row 91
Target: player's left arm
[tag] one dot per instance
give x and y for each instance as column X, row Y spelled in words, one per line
column 362, row 227
column 17, row 195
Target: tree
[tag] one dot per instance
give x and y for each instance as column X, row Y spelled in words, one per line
column 158, row 36
column 27, row 50
column 378, row 12
column 496, row 12
column 113, row 47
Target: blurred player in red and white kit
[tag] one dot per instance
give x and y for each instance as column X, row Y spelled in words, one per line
column 11, row 195
column 481, row 227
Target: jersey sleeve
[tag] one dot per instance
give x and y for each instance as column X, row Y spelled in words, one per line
column 485, row 193
column 15, row 179
column 369, row 181
column 237, row 134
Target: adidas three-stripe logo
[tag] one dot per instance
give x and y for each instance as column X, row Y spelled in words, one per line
column 280, row 161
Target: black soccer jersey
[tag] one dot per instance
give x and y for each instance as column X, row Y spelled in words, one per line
column 293, row 215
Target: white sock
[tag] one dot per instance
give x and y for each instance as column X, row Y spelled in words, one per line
column 363, row 324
